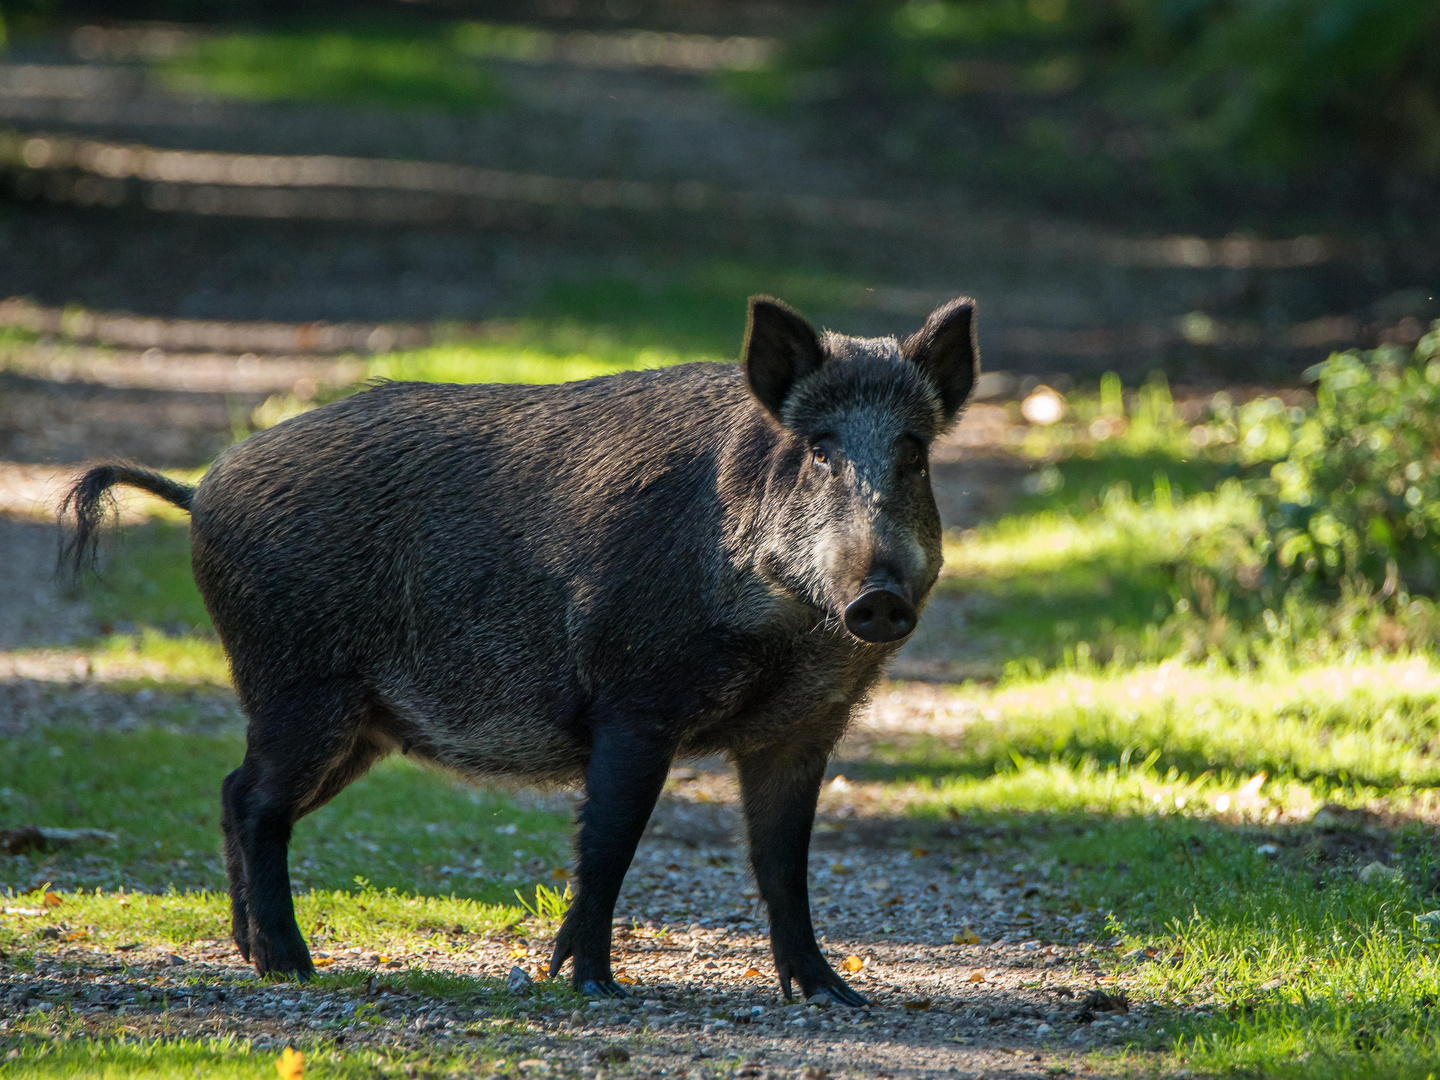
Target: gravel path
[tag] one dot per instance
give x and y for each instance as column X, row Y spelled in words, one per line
column 1018, row 1001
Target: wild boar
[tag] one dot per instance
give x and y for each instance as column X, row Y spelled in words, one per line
column 574, row 583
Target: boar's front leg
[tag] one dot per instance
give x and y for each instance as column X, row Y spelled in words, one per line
column 627, row 769
column 779, row 788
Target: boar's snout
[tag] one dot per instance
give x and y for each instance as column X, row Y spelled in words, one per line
column 880, row 614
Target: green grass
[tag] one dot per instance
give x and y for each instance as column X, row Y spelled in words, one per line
column 396, row 70
column 228, row 1058
column 1372, row 723
column 146, row 579
column 1219, row 819
column 401, row 827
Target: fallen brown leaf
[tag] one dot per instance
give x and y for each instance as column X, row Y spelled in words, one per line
column 290, row 1064
column 852, row 963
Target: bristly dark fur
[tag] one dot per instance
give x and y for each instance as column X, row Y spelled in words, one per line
column 90, row 499
column 574, row 582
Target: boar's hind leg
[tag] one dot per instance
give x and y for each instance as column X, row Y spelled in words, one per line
column 779, row 791
column 297, row 759
column 622, row 781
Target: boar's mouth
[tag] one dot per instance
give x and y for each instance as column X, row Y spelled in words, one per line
column 880, row 614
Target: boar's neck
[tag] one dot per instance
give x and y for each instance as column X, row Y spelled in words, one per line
column 756, row 481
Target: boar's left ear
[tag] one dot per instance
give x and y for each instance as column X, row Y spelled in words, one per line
column 946, row 350
column 780, row 349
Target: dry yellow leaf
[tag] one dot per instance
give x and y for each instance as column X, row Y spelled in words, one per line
column 560, row 873
column 520, row 950
column 966, row 937
column 323, row 961
column 919, row 852
column 753, row 973
column 290, row 1064
column 625, row 980
column 50, row 899
column 977, row 976
column 852, row 963
column 75, row 935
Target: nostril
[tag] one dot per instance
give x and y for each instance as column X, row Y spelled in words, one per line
column 880, row 615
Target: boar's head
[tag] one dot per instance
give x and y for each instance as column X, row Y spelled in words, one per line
column 851, row 526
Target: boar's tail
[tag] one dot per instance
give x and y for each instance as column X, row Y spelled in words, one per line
column 90, row 499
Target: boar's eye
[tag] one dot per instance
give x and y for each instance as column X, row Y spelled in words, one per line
column 912, row 456
column 822, row 453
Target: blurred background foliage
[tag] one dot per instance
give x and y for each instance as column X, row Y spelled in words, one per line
column 1272, row 84
column 1276, row 82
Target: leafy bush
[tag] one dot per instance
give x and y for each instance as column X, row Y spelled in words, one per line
column 1358, row 494
column 1290, row 80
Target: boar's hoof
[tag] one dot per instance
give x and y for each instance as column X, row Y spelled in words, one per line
column 880, row 615
column 840, row 994
column 603, row 988
column 282, row 962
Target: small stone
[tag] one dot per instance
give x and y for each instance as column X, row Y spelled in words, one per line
column 1378, row 871
column 821, row 1000
column 1043, row 1029
column 519, row 981
column 577, row 1019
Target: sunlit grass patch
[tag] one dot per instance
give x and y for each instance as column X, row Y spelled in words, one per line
column 1371, row 723
column 401, row 827
column 482, row 363
column 1368, row 723
column 367, row 918
column 377, row 69
column 153, row 657
column 226, row 1058
column 1121, row 534
column 1061, row 789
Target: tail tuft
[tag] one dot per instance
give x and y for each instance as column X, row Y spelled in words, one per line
column 90, row 500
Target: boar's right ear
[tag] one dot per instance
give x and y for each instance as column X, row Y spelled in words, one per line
column 946, row 350
column 780, row 349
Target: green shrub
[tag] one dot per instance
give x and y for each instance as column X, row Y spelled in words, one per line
column 1284, row 81
column 1358, row 493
